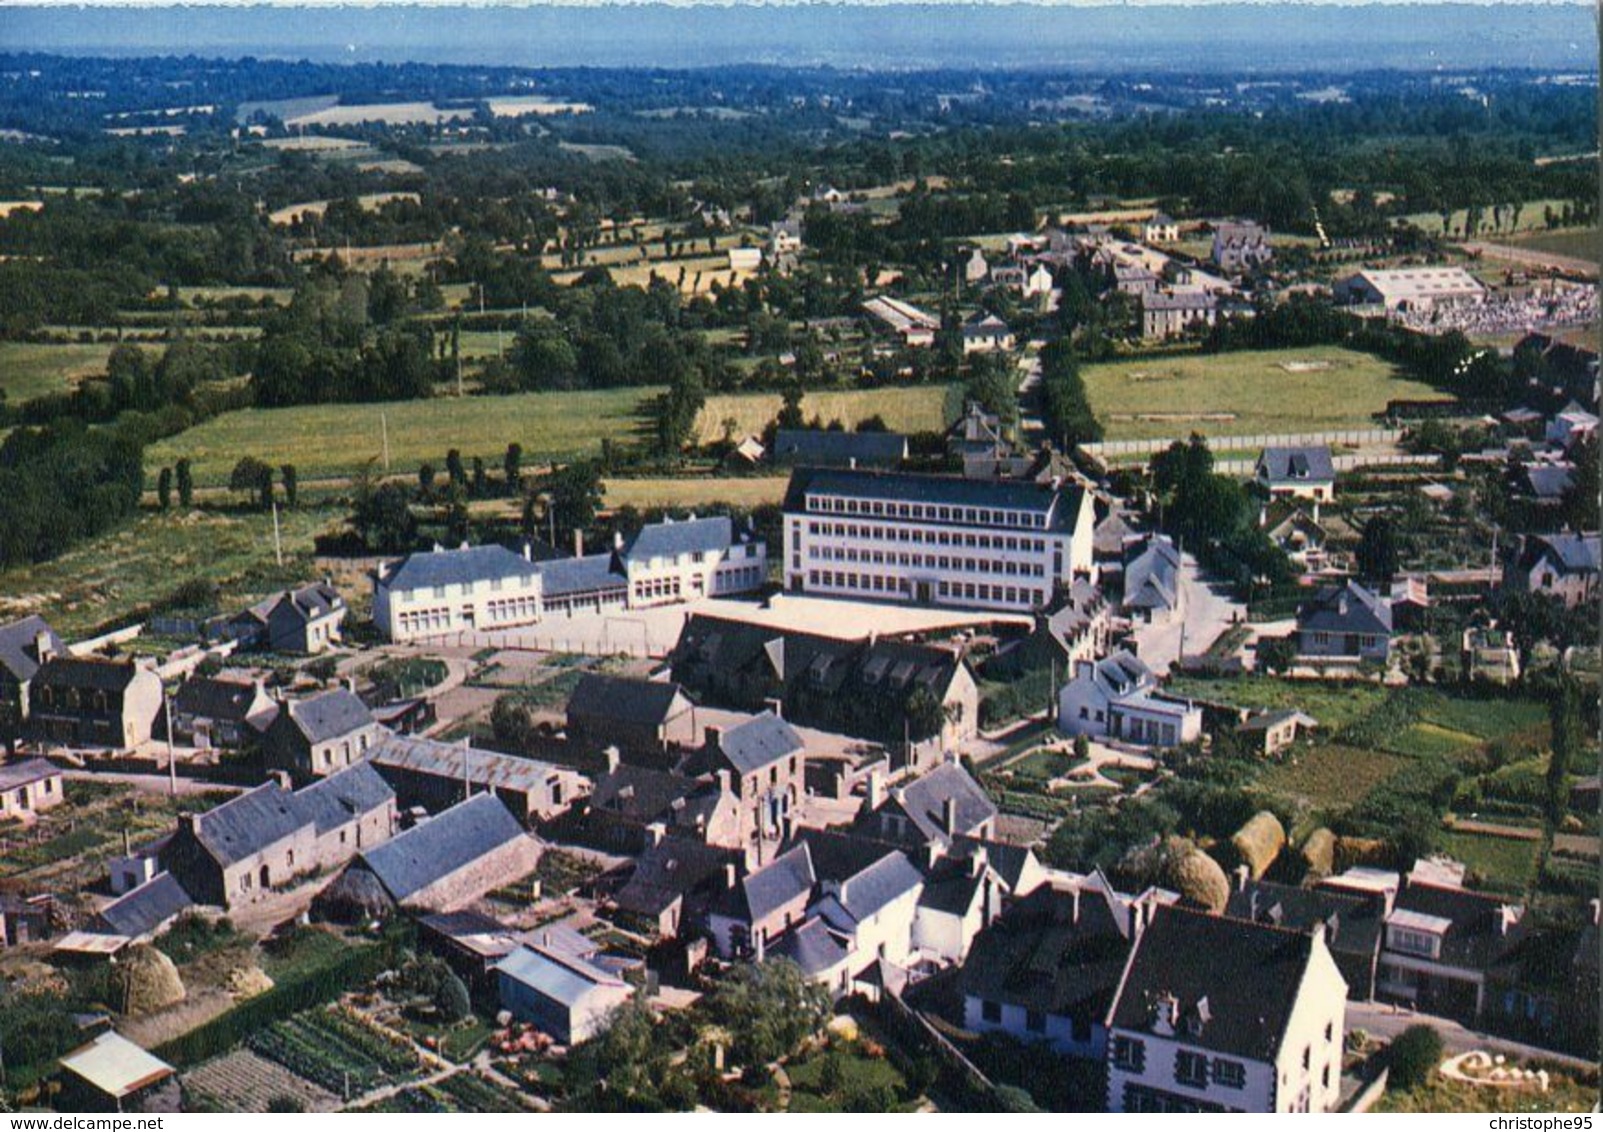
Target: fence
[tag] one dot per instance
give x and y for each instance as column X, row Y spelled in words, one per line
column 1349, row 437
column 1344, row 463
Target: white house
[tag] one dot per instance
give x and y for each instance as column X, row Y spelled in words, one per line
column 1570, row 424
column 1160, row 229
column 960, row 899
column 1306, row 472
column 1038, row 282
column 745, row 259
column 934, row 540
column 1215, row 1014
column 1118, row 697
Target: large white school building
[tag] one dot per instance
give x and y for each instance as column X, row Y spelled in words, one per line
column 486, row 588
column 934, row 540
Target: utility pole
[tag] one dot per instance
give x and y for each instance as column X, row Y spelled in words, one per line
column 172, row 761
column 384, row 423
column 278, row 542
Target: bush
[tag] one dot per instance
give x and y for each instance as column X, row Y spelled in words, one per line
column 1011, row 1098
column 451, row 1000
column 1413, row 1056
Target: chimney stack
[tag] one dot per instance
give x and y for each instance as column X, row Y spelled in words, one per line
column 528, row 552
column 977, row 861
column 655, row 832
column 875, row 796
column 613, row 759
column 729, row 875
column 1243, row 874
column 723, row 781
column 578, row 542
column 42, row 647
column 949, row 816
column 775, row 705
column 715, row 738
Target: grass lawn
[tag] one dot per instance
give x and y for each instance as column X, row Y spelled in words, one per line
column 857, row 1077
column 699, row 491
column 1334, row 705
column 1486, row 719
column 1430, row 739
column 33, row 369
column 1438, row 1095
column 1245, row 393
column 919, row 408
column 1531, row 219
column 1582, row 243
column 145, row 560
column 1330, row 776
column 335, row 440
column 1498, row 864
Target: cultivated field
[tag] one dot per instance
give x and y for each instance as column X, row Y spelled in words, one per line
column 29, row 369
column 369, row 202
column 1582, row 243
column 336, row 440
column 521, row 105
column 1321, row 387
column 744, row 491
column 390, row 113
column 922, row 408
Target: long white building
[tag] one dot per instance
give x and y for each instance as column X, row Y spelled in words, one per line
column 934, row 540
column 487, row 588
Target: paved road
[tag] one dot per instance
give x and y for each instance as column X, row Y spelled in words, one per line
column 1386, row 1022
column 1208, row 612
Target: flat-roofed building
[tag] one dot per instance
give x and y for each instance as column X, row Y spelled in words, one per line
column 934, row 540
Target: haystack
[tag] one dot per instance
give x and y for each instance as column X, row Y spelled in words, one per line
column 355, row 897
column 1319, row 852
column 1194, row 875
column 1259, row 842
column 144, row 981
column 248, row 982
column 1353, row 851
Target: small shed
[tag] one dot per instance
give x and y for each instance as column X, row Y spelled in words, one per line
column 1273, row 731
column 112, row 1074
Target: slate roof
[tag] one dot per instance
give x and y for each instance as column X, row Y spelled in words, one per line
column 759, row 742
column 249, row 823
column 316, row 600
column 1475, row 938
column 1062, row 505
column 26, row 772
column 95, row 673
column 457, row 567
column 562, row 576
column 328, row 715
column 827, row 448
column 670, row 538
column 1348, row 608
column 950, row 886
column 812, row 947
column 1353, row 924
column 19, row 654
column 771, row 887
column 426, row 853
column 1305, row 464
column 145, row 909
column 1179, row 301
column 343, row 796
column 1151, row 580
column 837, row 856
column 210, row 697
column 1123, row 672
column 888, row 878
column 1008, row 861
column 1239, row 979
column 640, row 793
column 669, row 871
column 1058, row 952
column 1577, row 554
column 624, row 699
column 924, row 800
column 1548, row 481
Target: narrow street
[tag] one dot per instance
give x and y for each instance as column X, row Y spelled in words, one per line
column 1206, row 611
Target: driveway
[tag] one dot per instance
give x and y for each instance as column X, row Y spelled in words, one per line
column 1386, row 1022
column 1209, row 611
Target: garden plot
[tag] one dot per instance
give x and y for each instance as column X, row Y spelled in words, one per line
column 245, row 1082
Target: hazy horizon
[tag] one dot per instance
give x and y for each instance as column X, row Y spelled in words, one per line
column 1204, row 35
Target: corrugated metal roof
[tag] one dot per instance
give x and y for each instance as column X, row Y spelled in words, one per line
column 562, row 979
column 479, row 767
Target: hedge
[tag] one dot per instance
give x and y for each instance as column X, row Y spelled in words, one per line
column 314, row 988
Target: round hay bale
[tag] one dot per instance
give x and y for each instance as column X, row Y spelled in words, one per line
column 248, row 982
column 1352, row 851
column 355, row 897
column 1319, row 852
column 1259, row 842
column 144, row 981
column 1195, row 876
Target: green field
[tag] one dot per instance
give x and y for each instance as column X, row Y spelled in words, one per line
column 1531, row 218
column 699, row 492
column 335, row 440
column 918, row 408
column 1245, row 393
column 1330, row 777
column 1582, row 243
column 30, row 369
column 1499, row 864
column 325, row 441
column 144, row 561
column 1334, row 705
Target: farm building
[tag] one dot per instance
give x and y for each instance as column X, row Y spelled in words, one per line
column 1410, row 288
column 28, row 788
column 112, row 1074
column 320, row 735
column 436, row 776
column 641, row 717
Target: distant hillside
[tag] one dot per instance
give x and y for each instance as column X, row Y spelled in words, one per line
column 1203, row 37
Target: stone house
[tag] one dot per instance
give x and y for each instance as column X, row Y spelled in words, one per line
column 93, row 702
column 319, row 735
column 28, row 788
